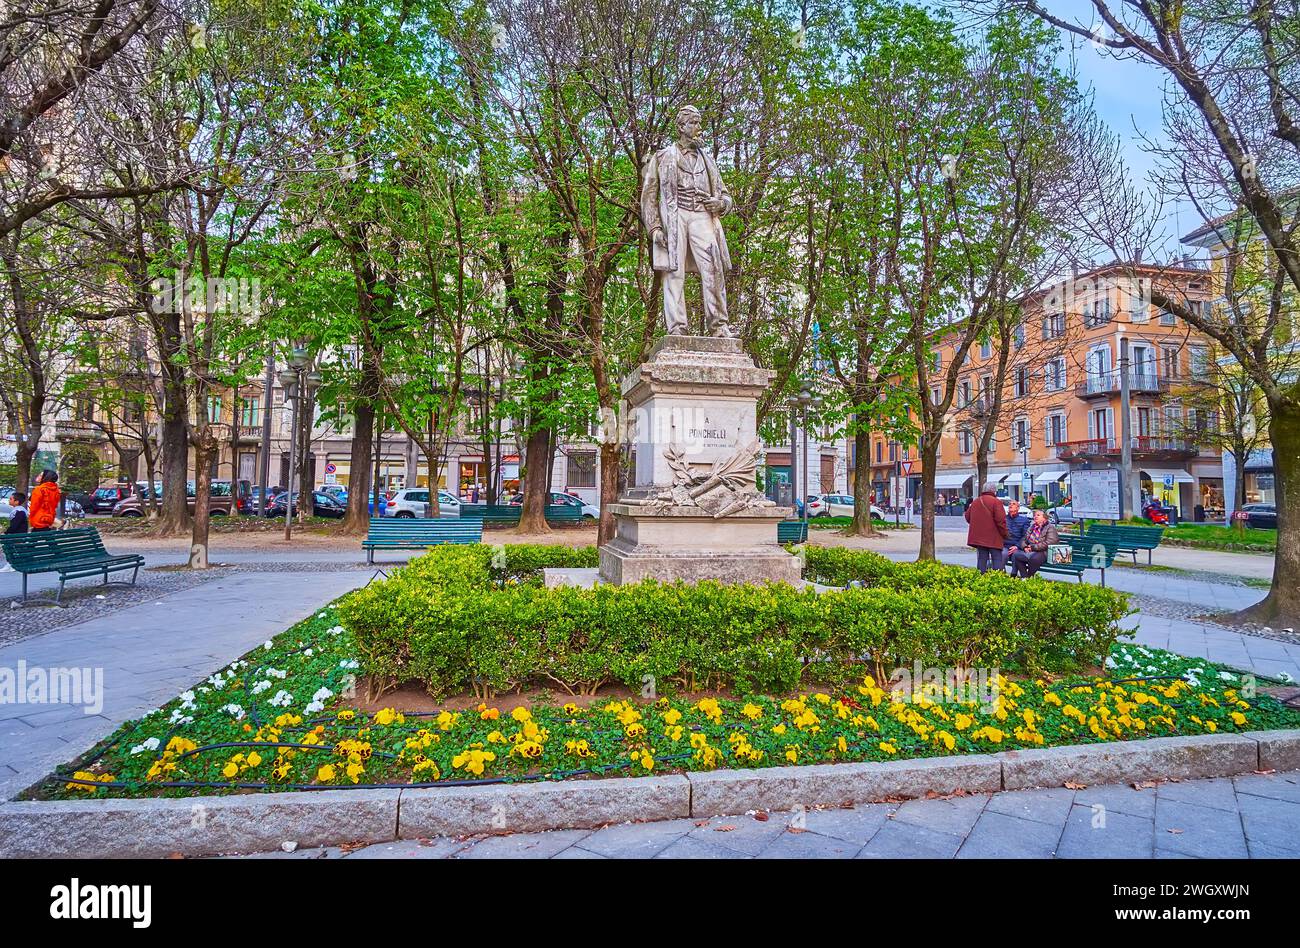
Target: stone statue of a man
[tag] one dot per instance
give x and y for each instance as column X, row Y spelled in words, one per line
column 682, row 199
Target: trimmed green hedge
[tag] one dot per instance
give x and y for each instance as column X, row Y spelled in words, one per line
column 455, row 622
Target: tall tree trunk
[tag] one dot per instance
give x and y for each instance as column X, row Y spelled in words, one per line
column 204, row 449
column 174, row 516
column 862, row 525
column 1281, row 606
column 357, row 520
column 610, row 456
column 532, row 519
column 929, row 460
column 26, row 451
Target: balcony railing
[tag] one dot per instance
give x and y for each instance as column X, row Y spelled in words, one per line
column 1141, row 444
column 69, row 429
column 1108, row 383
column 250, row 432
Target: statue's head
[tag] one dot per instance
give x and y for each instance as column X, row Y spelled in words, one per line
column 688, row 123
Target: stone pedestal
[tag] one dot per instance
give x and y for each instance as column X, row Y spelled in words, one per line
column 691, row 511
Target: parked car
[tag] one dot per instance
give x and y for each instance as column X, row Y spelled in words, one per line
column 410, row 502
column 337, row 491
column 562, row 499
column 1260, row 515
column 323, row 505
column 105, row 497
column 222, row 499
column 1062, row 514
column 837, row 505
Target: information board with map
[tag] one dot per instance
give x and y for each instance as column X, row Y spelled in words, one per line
column 1095, row 494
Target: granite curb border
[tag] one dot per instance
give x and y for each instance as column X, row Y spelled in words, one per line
column 195, row 826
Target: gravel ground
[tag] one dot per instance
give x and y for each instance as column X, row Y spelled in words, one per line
column 87, row 599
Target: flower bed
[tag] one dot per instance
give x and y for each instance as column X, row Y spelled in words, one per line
column 280, row 719
column 468, row 618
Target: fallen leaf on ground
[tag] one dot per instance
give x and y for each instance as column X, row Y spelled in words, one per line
column 724, row 828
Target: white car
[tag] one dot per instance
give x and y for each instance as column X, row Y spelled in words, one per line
column 837, row 505
column 409, row 502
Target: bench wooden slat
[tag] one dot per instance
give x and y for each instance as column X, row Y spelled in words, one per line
column 791, row 531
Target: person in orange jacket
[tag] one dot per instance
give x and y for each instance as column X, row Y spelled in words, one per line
column 43, row 506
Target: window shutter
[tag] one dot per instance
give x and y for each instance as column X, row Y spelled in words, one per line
column 1110, row 423
column 1092, row 426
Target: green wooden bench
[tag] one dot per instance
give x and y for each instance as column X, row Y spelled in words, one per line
column 792, row 531
column 1087, row 553
column 1128, row 539
column 418, row 533
column 74, row 554
column 509, row 513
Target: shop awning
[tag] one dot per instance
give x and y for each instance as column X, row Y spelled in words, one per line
column 952, row 480
column 1046, row 477
column 1158, row 475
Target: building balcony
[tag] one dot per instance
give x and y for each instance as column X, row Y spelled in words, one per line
column 1145, row 447
column 1106, row 384
column 251, row 434
column 70, row 430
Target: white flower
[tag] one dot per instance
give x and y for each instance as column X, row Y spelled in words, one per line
column 307, row 653
column 260, row 687
column 267, row 646
column 180, row 718
column 1227, row 676
column 276, row 673
column 349, row 663
column 313, row 708
column 322, row 694
column 281, row 699
column 1110, row 662
column 235, row 710
column 150, row 744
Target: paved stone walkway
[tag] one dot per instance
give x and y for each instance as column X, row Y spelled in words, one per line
column 149, row 653
column 1255, row 816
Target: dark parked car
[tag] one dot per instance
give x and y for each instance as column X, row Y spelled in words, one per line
column 323, row 505
column 223, row 499
column 104, row 498
column 1261, row 515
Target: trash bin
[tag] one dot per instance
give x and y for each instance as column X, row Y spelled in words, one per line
column 1198, row 513
column 1172, row 513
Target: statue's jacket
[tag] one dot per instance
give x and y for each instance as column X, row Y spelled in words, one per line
column 659, row 207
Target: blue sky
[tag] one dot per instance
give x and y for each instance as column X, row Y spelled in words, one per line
column 1127, row 95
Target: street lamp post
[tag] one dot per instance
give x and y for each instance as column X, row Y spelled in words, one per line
column 803, row 401
column 299, row 384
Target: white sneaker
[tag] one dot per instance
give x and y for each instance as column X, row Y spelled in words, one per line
column 7, row 569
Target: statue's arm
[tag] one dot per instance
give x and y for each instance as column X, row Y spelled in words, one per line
column 650, row 196
column 724, row 196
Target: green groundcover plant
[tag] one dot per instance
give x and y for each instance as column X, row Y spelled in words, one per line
column 282, row 717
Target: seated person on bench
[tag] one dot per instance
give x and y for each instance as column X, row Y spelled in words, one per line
column 1026, row 561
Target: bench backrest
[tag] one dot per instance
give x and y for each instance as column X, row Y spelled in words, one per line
column 1127, row 533
column 791, row 531
column 43, row 548
column 490, row 511
column 1095, row 552
column 418, row 529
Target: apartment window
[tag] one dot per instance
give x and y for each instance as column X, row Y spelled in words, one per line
column 986, row 349
column 1100, row 311
column 1022, row 433
column 936, row 363
column 249, row 413
column 893, row 451
column 1054, row 326
column 1019, row 334
column 214, row 408
column 965, row 441
column 880, row 452
column 1169, row 361
column 1054, row 429
column 964, row 395
column 935, row 397
column 1167, row 318
column 1199, row 361
column 1021, row 384
column 582, row 469
column 1054, row 375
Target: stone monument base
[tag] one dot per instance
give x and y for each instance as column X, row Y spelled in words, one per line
column 686, row 544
